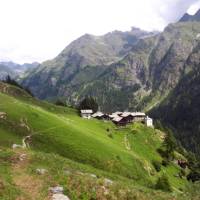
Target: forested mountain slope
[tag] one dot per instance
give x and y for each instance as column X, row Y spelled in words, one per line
column 143, row 70
column 181, row 111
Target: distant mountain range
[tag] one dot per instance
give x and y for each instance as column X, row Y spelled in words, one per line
column 80, row 64
column 15, row 70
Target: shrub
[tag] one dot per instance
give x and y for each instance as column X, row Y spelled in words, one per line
column 163, row 184
column 60, row 103
column 193, row 176
column 110, row 135
column 157, row 165
column 169, row 145
column 165, row 162
column 182, row 173
column 118, row 157
column 88, row 103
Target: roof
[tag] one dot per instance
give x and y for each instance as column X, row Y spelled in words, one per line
column 113, row 115
column 148, row 118
column 117, row 113
column 135, row 114
column 126, row 114
column 86, row 111
column 97, row 114
column 117, row 119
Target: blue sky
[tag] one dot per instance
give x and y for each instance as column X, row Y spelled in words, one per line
column 37, row 30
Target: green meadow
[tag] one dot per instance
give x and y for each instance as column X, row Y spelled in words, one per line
column 61, row 139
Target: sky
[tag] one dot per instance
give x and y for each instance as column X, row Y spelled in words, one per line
column 38, row 30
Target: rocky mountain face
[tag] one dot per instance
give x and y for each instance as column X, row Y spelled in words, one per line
column 188, row 17
column 123, row 70
column 132, row 70
column 15, row 70
column 82, row 61
column 5, row 71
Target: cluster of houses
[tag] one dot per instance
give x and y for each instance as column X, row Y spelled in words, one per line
column 119, row 118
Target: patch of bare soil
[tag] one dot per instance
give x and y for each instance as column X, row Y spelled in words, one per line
column 30, row 185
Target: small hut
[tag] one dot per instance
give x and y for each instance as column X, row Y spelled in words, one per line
column 100, row 115
column 86, row 114
column 128, row 116
column 149, row 121
column 138, row 116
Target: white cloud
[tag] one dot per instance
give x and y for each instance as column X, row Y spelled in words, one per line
column 36, row 30
column 194, row 8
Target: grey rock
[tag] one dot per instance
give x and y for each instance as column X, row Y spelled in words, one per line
column 108, row 181
column 60, row 197
column 15, row 146
column 56, row 190
column 92, row 175
column 67, row 172
column 22, row 157
column 41, row 171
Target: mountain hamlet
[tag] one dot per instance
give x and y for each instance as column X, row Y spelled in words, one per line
column 119, row 118
column 62, row 136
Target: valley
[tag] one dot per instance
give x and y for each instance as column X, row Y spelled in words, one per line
column 112, row 116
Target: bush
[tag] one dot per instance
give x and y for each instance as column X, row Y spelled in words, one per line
column 110, row 135
column 157, row 165
column 163, row 184
column 169, row 145
column 88, row 103
column 60, row 103
column 158, row 125
column 182, row 173
column 193, row 176
column 165, row 162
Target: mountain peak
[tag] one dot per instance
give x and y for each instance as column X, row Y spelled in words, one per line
column 187, row 17
column 198, row 12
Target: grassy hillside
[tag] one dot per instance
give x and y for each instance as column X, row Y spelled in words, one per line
column 61, row 139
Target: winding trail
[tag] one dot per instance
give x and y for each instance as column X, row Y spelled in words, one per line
column 126, row 142
column 24, row 144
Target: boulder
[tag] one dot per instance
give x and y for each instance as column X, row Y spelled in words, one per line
column 108, row 181
column 105, row 190
column 80, row 173
column 59, row 197
column 14, row 146
column 22, row 157
column 67, row 172
column 41, row 171
column 56, row 190
column 92, row 175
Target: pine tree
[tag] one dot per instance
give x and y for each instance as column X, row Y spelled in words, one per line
column 169, row 145
column 163, row 184
column 89, row 103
